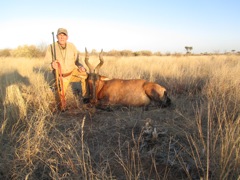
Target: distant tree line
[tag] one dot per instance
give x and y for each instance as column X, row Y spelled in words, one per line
column 32, row 51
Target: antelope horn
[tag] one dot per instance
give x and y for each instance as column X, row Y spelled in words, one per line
column 101, row 62
column 90, row 67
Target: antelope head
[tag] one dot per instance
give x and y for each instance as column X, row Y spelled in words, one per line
column 93, row 76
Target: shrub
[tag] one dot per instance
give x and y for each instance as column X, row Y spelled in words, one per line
column 143, row 53
column 28, row 51
column 5, row 52
column 126, row 53
column 158, row 53
column 113, row 53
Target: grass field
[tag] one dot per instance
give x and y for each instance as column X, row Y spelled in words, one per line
column 196, row 138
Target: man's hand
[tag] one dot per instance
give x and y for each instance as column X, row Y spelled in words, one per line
column 81, row 69
column 54, row 64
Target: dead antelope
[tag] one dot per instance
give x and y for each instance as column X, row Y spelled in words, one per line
column 133, row 92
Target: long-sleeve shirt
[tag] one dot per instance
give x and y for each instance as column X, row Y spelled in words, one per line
column 68, row 56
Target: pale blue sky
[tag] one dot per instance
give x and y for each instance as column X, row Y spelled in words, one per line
column 156, row 25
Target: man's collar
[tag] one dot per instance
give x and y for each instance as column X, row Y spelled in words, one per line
column 61, row 46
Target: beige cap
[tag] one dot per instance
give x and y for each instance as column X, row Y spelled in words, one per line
column 62, row 30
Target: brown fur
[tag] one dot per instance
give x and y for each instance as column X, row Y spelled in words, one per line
column 132, row 92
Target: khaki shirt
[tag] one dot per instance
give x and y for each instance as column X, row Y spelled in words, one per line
column 68, row 57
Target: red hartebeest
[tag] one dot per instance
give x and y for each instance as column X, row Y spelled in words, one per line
column 106, row 92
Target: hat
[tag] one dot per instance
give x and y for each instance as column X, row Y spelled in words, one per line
column 62, row 30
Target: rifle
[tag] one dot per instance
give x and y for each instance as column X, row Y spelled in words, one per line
column 59, row 80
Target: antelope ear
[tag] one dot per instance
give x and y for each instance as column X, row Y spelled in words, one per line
column 104, row 78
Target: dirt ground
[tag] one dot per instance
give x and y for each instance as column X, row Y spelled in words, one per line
column 156, row 136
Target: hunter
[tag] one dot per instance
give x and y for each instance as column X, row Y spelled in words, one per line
column 64, row 58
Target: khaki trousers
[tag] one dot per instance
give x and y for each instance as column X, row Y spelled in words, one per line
column 76, row 76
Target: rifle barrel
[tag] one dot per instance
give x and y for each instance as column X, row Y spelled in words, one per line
column 54, row 48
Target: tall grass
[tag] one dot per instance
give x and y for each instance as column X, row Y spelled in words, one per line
column 201, row 131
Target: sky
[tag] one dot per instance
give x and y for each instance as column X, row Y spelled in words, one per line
column 165, row 26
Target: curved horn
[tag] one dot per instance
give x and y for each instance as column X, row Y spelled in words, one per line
column 90, row 67
column 101, row 62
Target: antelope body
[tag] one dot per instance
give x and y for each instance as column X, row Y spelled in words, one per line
column 132, row 92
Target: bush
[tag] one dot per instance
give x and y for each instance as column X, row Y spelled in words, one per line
column 5, row 52
column 158, row 53
column 126, row 53
column 28, row 51
column 113, row 53
column 143, row 53
column 119, row 53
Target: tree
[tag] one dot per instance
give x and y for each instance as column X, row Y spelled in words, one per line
column 188, row 49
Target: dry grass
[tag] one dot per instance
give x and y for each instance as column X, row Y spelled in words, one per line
column 197, row 138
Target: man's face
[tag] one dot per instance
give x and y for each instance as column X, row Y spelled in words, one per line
column 62, row 39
